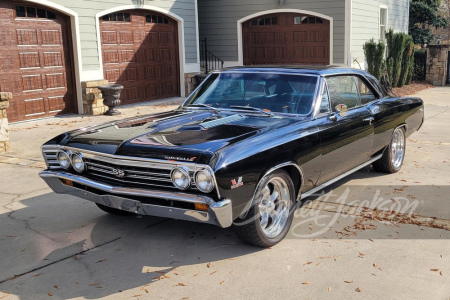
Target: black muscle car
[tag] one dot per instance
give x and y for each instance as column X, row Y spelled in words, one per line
column 241, row 150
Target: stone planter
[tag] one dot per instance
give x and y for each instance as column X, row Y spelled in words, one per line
column 111, row 98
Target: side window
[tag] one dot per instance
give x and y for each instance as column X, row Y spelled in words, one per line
column 325, row 103
column 365, row 93
column 343, row 90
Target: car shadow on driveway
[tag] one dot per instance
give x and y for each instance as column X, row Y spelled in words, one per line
column 59, row 240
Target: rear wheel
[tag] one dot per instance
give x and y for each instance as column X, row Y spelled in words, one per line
column 393, row 156
column 114, row 211
column 269, row 218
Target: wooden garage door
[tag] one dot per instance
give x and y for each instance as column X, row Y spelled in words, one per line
column 140, row 52
column 35, row 61
column 286, row 38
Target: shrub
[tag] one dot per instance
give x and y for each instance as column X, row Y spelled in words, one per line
column 396, row 46
column 407, row 61
column 374, row 53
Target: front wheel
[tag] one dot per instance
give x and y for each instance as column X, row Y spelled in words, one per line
column 269, row 218
column 393, row 156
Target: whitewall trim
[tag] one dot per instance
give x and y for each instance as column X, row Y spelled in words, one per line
column 240, row 61
column 180, row 21
column 76, row 50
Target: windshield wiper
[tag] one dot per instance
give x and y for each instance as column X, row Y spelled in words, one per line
column 253, row 109
column 205, row 105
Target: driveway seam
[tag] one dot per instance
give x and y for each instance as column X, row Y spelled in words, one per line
column 57, row 261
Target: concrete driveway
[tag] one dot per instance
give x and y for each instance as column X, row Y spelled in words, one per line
column 369, row 236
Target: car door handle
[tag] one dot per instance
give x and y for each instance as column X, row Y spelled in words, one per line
column 370, row 120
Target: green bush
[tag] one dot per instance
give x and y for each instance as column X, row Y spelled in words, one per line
column 396, row 46
column 407, row 61
column 399, row 64
column 374, row 53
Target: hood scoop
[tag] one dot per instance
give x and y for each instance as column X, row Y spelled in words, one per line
column 221, row 121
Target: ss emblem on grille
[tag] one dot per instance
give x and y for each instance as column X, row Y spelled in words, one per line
column 119, row 173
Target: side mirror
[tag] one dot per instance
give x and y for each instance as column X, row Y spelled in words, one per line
column 341, row 109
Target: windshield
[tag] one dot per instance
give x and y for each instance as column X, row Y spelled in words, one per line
column 270, row 92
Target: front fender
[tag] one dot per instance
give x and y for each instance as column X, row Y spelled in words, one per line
column 239, row 168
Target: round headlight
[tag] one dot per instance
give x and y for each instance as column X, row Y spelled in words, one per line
column 204, row 181
column 64, row 159
column 180, row 178
column 78, row 163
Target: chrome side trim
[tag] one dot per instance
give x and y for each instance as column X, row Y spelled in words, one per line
column 324, row 185
column 219, row 213
column 136, row 161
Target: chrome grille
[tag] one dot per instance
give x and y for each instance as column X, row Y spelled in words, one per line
column 50, row 159
column 128, row 175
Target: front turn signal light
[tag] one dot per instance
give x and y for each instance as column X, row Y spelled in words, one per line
column 199, row 206
column 67, row 182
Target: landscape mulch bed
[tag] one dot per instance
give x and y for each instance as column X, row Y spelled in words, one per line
column 412, row 88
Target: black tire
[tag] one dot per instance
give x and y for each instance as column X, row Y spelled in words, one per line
column 114, row 211
column 249, row 229
column 387, row 163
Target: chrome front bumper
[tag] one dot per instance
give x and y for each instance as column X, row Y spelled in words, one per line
column 219, row 213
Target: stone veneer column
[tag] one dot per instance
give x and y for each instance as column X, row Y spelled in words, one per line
column 437, row 64
column 4, row 130
column 192, row 81
column 93, row 98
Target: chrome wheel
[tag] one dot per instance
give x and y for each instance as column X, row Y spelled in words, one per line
column 397, row 148
column 274, row 207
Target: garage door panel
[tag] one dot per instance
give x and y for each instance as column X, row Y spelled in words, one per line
column 301, row 52
column 112, row 75
column 286, row 38
column 32, row 83
column 29, row 60
column 166, row 38
column 27, row 37
column 152, row 55
column 167, row 55
column 36, row 66
column 109, row 37
column 145, row 59
column 129, row 74
column 126, row 37
column 55, row 81
column 53, row 59
column 34, row 107
column 128, row 56
column 300, row 36
column 129, row 94
column 111, row 56
column 56, row 103
column 51, row 37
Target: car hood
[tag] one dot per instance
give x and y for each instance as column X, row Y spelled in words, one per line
column 182, row 135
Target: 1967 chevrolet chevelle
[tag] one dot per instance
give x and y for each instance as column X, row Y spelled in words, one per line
column 241, row 150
